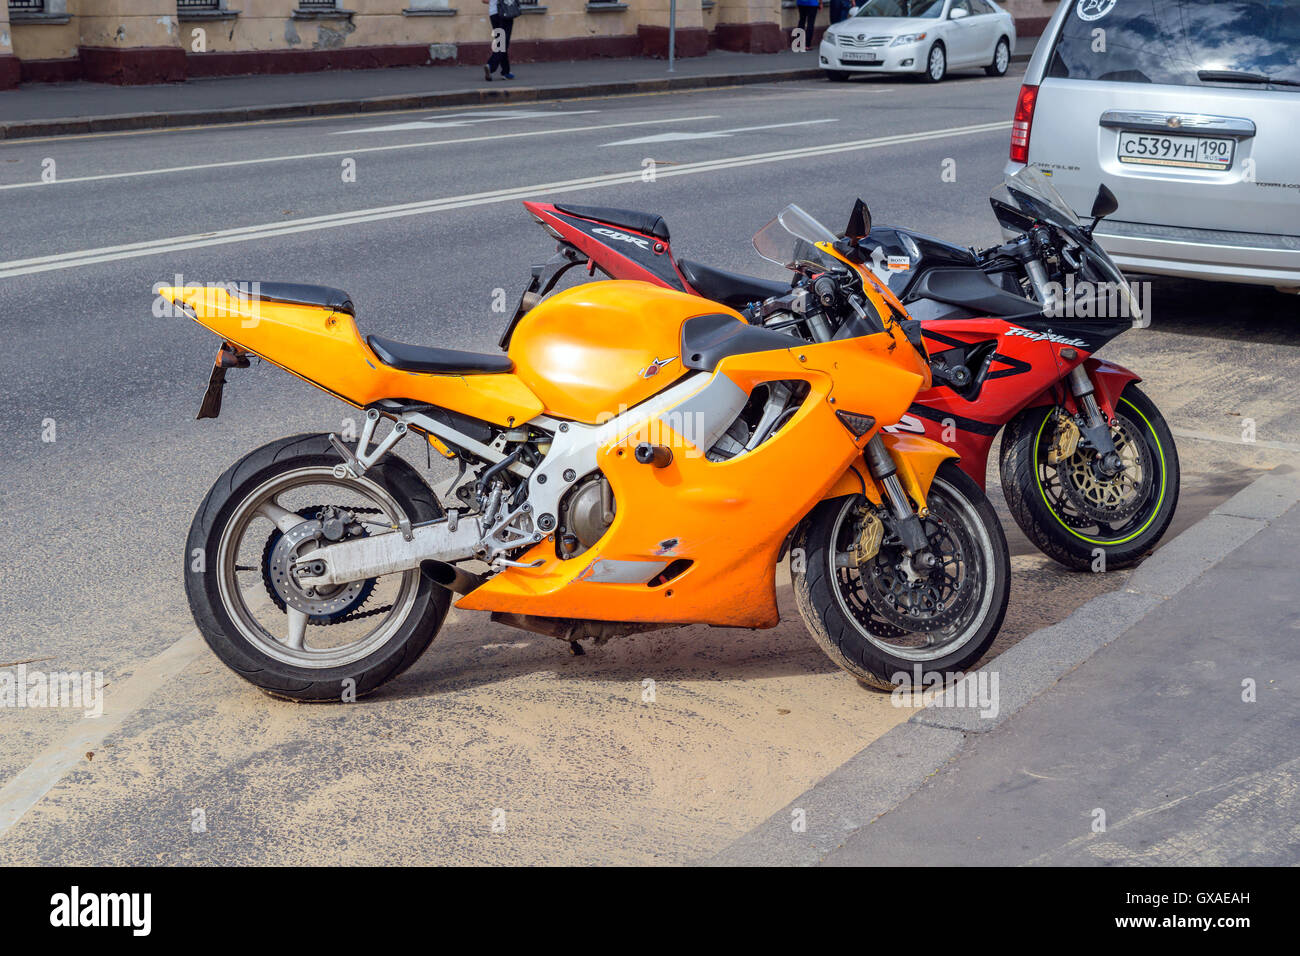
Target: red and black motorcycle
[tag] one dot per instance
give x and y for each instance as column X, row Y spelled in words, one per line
column 1088, row 465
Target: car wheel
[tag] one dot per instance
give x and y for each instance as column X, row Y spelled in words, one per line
column 1001, row 59
column 936, row 64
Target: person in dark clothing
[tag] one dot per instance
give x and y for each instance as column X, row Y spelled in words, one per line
column 840, row 10
column 808, row 18
column 497, row 14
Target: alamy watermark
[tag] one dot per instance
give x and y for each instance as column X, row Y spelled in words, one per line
column 25, row 688
column 920, row 689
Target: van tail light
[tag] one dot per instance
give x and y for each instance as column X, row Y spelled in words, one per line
column 1021, row 123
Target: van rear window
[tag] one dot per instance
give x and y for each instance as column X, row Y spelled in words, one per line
column 1181, row 42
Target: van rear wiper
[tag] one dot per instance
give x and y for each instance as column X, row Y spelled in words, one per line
column 1241, row 76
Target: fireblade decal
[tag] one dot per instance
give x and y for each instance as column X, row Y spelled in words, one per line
column 1045, row 337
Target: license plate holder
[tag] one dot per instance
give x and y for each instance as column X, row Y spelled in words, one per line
column 1140, row 148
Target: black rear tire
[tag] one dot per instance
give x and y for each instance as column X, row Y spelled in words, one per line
column 819, row 589
column 1027, row 480
column 236, row 651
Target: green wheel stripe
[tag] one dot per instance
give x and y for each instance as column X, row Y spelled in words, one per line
column 1164, row 481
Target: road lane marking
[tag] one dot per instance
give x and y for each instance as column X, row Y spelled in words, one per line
column 712, row 134
column 68, row 260
column 352, row 152
column 120, row 701
column 1230, row 440
column 449, row 120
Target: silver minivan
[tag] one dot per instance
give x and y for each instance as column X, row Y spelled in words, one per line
column 1189, row 110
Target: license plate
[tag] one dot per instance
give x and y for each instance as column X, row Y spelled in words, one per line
column 1192, row 152
column 848, row 57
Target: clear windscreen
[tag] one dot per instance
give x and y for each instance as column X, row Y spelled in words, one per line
column 1033, row 194
column 790, row 240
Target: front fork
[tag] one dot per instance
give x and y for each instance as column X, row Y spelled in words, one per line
column 1096, row 428
column 906, row 521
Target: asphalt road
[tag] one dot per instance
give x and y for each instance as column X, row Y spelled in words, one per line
column 431, row 227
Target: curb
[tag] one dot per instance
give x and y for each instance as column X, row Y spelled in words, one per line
column 75, row 126
column 897, row 764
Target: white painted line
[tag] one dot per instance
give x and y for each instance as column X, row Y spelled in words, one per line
column 120, row 701
column 68, row 260
column 463, row 119
column 353, row 152
column 713, row 134
column 1230, row 440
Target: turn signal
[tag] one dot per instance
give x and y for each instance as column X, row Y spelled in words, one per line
column 858, row 425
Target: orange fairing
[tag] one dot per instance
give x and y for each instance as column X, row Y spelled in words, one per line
column 728, row 518
column 324, row 348
column 593, row 351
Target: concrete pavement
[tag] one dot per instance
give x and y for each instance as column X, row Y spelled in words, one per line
column 1156, row 725
column 53, row 109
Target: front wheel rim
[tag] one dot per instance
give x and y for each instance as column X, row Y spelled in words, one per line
column 1003, row 57
column 920, row 647
column 936, row 63
column 1145, row 441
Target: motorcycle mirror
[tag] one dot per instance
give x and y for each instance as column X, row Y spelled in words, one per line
column 859, row 222
column 1104, row 204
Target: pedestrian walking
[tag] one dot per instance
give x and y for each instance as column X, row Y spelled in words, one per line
column 501, row 14
column 840, row 10
column 808, row 18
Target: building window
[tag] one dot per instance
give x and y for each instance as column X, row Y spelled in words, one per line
column 27, row 6
column 189, row 6
column 314, row 5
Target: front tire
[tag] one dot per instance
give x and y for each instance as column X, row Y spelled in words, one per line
column 328, row 644
column 1064, row 508
column 957, row 610
column 936, row 64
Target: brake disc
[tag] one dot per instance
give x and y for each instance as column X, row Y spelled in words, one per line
column 928, row 599
column 331, row 604
column 1115, row 499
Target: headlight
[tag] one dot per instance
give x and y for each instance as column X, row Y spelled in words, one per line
column 907, row 38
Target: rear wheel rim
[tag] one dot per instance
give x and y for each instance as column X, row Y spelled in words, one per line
column 239, row 579
column 977, row 561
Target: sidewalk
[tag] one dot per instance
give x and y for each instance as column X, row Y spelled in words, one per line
column 1133, row 707
column 52, row 109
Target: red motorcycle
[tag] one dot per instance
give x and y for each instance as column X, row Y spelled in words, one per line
column 1088, row 465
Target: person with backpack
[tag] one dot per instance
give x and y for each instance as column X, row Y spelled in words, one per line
column 501, row 14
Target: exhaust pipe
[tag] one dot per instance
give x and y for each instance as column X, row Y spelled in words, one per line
column 451, row 577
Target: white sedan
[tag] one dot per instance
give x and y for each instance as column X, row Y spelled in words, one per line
column 929, row 37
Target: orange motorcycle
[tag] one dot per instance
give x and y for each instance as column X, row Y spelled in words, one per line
column 638, row 458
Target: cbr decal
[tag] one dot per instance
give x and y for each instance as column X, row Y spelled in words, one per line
column 622, row 237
